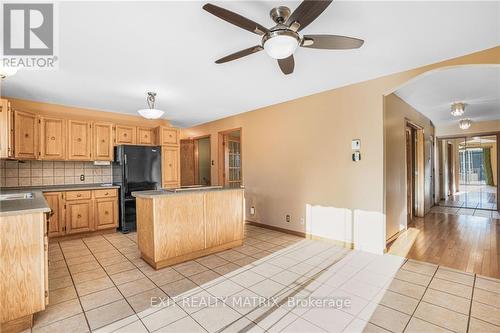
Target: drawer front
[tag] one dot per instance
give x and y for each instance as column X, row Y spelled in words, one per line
column 109, row 193
column 78, row 195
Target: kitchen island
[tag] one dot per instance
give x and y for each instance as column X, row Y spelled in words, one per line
column 183, row 224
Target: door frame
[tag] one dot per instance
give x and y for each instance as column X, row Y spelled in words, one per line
column 495, row 133
column 196, row 155
column 221, row 158
column 419, row 167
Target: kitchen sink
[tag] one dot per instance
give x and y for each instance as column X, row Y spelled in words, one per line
column 16, row 196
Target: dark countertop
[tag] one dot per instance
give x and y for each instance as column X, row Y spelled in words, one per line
column 38, row 202
column 181, row 191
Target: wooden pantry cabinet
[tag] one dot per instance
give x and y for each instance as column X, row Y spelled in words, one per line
column 167, row 135
column 170, row 164
column 82, row 211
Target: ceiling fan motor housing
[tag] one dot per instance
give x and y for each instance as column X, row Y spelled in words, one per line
column 280, row 14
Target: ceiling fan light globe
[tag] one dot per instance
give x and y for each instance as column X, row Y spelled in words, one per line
column 281, row 46
column 151, row 113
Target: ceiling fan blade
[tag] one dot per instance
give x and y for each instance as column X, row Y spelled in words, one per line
column 235, row 19
column 287, row 65
column 240, row 54
column 331, row 42
column 307, row 12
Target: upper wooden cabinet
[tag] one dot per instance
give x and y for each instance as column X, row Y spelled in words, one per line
column 170, row 165
column 80, row 140
column 103, row 141
column 167, row 135
column 25, row 135
column 125, row 135
column 145, row 136
column 6, row 130
column 52, row 138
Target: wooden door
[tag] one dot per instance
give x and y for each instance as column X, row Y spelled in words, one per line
column 145, row 136
column 125, row 135
column 106, row 213
column 79, row 216
column 409, row 175
column 56, row 218
column 187, row 160
column 6, row 130
column 449, row 166
column 103, row 141
column 26, row 135
column 80, row 139
column 168, row 136
column 52, row 138
column 170, row 166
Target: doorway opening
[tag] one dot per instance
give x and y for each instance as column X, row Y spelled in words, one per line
column 230, row 158
column 196, row 161
column 414, row 135
column 472, row 169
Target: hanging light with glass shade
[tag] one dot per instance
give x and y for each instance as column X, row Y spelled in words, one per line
column 151, row 112
column 457, row 109
column 465, row 123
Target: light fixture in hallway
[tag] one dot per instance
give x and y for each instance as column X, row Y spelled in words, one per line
column 457, row 109
column 465, row 123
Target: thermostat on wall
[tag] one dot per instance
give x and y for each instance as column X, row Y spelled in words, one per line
column 356, row 144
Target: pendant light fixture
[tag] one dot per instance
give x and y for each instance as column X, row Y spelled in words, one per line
column 465, row 123
column 151, row 112
column 457, row 109
column 7, row 71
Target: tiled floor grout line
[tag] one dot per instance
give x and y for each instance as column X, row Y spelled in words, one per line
column 74, row 286
column 116, row 286
column 471, row 300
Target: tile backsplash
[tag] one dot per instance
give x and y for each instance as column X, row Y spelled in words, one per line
column 36, row 173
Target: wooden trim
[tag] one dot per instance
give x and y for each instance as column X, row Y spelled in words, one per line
column 82, row 234
column 272, row 227
column 419, row 165
column 221, row 158
column 17, row 325
column 192, row 255
column 465, row 135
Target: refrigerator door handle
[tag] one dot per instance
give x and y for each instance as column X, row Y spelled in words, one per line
column 126, row 172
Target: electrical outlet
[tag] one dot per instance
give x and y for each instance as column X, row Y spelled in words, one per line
column 82, row 178
column 252, row 210
column 288, row 218
column 302, row 221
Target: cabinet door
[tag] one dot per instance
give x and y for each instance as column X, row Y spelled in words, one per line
column 106, row 213
column 6, row 130
column 170, row 166
column 125, row 135
column 56, row 220
column 52, row 138
column 145, row 136
column 79, row 135
column 25, row 132
column 168, row 135
column 103, row 141
column 79, row 216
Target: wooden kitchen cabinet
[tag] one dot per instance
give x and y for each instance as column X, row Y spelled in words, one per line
column 52, row 138
column 80, row 140
column 167, row 135
column 105, row 213
column 145, row 136
column 25, row 135
column 6, row 130
column 79, row 216
column 125, row 135
column 56, row 220
column 103, row 141
column 170, row 165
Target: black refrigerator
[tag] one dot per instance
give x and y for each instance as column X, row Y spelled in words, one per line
column 135, row 168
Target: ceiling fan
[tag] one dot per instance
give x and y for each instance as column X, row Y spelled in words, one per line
column 281, row 41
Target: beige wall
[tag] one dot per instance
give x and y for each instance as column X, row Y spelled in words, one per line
column 476, row 128
column 396, row 114
column 297, row 158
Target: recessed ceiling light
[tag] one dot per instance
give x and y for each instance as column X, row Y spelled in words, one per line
column 457, row 109
column 465, row 123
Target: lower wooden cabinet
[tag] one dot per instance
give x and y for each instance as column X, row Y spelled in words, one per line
column 76, row 212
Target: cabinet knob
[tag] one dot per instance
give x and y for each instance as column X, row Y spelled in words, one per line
column 170, row 135
column 78, row 195
column 106, row 193
column 52, row 138
column 78, row 216
column 106, row 213
column 26, row 135
column 124, row 134
column 79, row 139
column 170, row 164
column 102, row 140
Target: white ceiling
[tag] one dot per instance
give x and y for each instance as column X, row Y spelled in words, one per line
column 111, row 53
column 433, row 93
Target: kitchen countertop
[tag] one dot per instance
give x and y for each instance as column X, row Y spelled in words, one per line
column 168, row 192
column 38, row 202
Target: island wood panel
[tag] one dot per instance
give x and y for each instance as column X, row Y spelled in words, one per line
column 224, row 217
column 23, row 268
column 145, row 226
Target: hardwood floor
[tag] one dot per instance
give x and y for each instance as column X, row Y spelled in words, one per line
column 466, row 243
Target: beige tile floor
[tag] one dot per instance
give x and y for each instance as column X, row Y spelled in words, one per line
column 100, row 284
